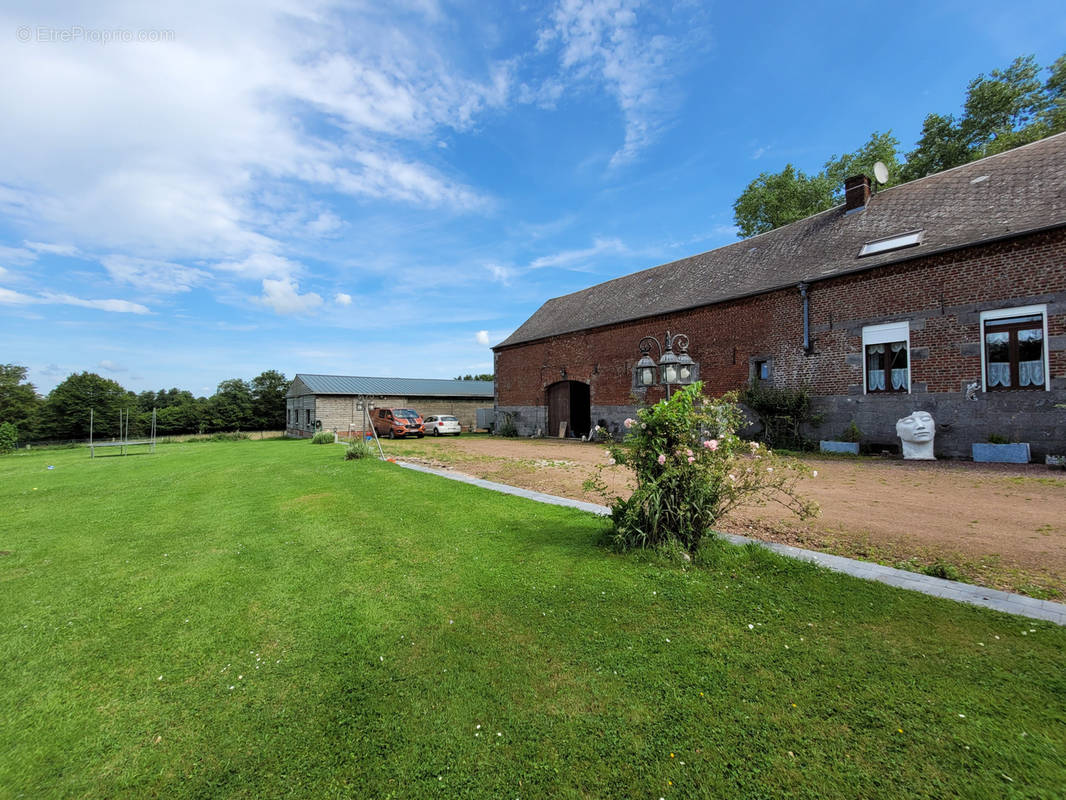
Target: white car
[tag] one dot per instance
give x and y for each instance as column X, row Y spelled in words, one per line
column 441, row 424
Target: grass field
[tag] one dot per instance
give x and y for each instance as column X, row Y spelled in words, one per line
column 264, row 619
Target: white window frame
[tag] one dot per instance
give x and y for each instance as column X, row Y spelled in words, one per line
column 1007, row 313
column 886, row 334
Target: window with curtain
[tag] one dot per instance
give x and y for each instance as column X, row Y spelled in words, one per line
column 887, row 367
column 1014, row 352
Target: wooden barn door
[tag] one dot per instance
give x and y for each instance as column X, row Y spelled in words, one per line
column 558, row 408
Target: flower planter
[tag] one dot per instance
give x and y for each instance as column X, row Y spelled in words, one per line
column 1014, row 453
column 827, row 446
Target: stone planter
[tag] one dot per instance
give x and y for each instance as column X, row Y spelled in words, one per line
column 827, row 446
column 1013, row 453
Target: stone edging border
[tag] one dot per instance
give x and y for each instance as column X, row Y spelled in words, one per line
column 926, row 584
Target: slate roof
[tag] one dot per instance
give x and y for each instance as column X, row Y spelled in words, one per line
column 409, row 387
column 1005, row 195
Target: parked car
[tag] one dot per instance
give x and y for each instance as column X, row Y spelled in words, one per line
column 441, row 424
column 398, row 423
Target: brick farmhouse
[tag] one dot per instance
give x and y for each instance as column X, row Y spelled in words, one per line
column 946, row 294
column 337, row 403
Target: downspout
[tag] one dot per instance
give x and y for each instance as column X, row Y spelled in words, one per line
column 806, row 317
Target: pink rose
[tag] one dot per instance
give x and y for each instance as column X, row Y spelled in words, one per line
column 661, row 459
column 628, row 423
column 688, row 453
column 691, row 459
column 712, row 444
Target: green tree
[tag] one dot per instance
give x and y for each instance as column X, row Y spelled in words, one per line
column 484, row 376
column 68, row 406
column 1004, row 109
column 1001, row 109
column 940, row 147
column 1054, row 114
column 268, row 396
column 19, row 402
column 231, row 407
column 8, row 438
column 776, row 199
column 883, row 147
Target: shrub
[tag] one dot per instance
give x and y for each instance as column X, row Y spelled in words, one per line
column 691, row 469
column 8, row 438
column 359, row 448
column 783, row 412
column 851, row 433
column 508, row 427
column 322, row 437
column 997, row 438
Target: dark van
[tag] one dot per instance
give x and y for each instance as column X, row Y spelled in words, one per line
column 398, row 423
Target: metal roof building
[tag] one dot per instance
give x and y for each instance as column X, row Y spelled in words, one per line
column 342, row 402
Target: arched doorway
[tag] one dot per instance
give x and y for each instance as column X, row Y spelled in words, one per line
column 569, row 402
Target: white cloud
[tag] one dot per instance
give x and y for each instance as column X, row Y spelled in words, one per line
column 152, row 275
column 342, row 299
column 9, row 297
column 262, row 265
column 260, row 98
column 324, row 224
column 577, row 259
column 483, row 338
column 284, row 297
column 500, row 273
column 17, row 255
column 601, row 42
column 52, row 249
column 111, row 366
column 118, row 306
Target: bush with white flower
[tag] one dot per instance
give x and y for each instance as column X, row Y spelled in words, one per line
column 691, row 469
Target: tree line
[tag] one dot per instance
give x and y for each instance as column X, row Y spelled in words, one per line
column 64, row 414
column 1003, row 110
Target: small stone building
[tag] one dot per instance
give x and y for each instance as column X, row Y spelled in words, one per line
column 946, row 294
column 341, row 403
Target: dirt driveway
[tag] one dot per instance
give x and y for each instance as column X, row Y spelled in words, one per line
column 995, row 525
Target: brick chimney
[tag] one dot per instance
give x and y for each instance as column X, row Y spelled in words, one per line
column 856, row 192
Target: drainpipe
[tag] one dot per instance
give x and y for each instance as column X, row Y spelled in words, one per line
column 806, row 317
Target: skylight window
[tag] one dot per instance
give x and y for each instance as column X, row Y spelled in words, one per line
column 891, row 243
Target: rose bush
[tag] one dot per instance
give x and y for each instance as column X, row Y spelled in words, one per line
column 691, row 469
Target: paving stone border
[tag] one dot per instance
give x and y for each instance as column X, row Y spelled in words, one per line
column 914, row 581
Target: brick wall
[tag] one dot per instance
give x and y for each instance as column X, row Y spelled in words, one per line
column 941, row 297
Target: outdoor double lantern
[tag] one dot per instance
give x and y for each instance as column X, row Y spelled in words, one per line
column 677, row 369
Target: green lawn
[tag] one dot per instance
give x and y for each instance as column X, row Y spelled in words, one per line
column 264, row 619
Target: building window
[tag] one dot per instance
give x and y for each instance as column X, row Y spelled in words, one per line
column 886, row 357
column 886, row 367
column 761, row 370
column 1012, row 348
column 307, row 412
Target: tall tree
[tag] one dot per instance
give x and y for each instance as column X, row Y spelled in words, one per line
column 778, row 198
column 1004, row 109
column 268, row 396
column 1054, row 115
column 940, row 147
column 19, row 403
column 883, row 147
column 1001, row 109
column 231, row 407
column 68, row 406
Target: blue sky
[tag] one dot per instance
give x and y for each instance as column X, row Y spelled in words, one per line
column 205, row 192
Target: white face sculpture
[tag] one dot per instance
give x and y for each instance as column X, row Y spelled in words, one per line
column 917, row 427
